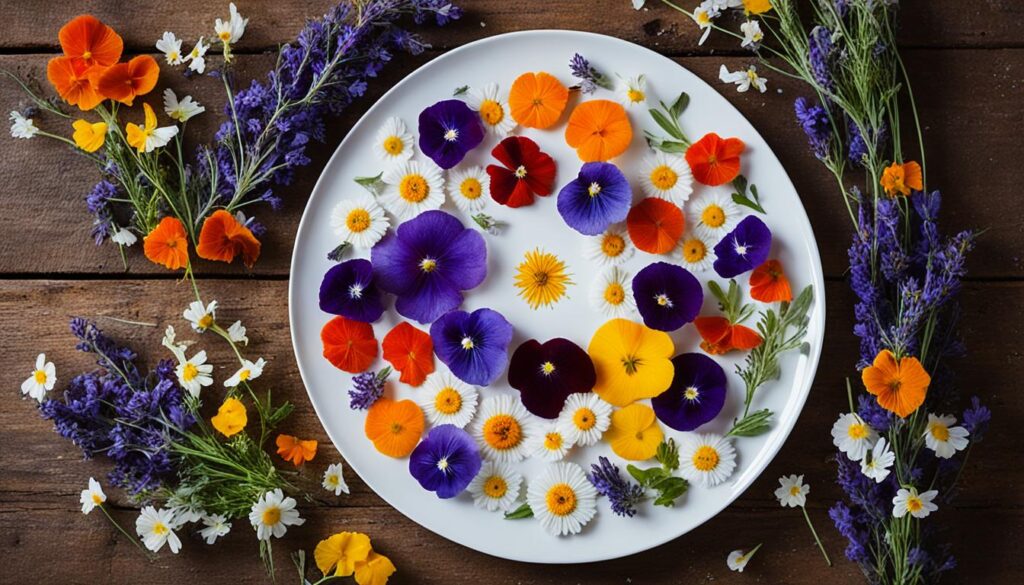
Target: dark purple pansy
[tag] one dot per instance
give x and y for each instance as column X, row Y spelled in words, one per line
column 474, row 345
column 349, row 290
column 697, row 393
column 427, row 263
column 744, row 248
column 546, row 374
column 446, row 461
column 667, row 296
column 448, row 130
column 598, row 197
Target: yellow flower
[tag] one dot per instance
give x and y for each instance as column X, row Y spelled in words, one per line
column 89, row 137
column 757, row 6
column 634, row 433
column 541, row 278
column 341, row 552
column 632, row 361
column 230, row 417
column 375, row 570
column 149, row 137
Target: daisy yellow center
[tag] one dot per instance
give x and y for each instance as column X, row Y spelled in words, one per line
column 553, row 441
column 561, row 499
column 189, row 372
column 703, row 19
column 614, row 294
column 594, row 189
column 467, row 343
column 428, row 265
column 471, row 188
column 195, row 53
column 635, row 96
column 333, row 480
column 495, row 486
column 40, row 376
column 244, row 375
column 612, row 245
column 584, row 419
column 914, row 504
column 96, row 499
column 502, row 431
column 691, row 393
column 224, row 36
column 521, row 172
column 547, row 368
column 492, row 112
column 794, row 491
column 857, row 431
column 205, row 321
column 751, row 75
column 413, row 188
column 664, row 178
column 705, row 458
column 160, row 529
column 940, row 432
column 713, row 216
column 448, row 401
column 358, row 220
column 694, row 250
column 271, row 516
column 393, row 145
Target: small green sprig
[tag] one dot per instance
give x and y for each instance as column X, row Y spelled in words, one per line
column 739, row 197
column 731, row 303
column 488, row 224
column 667, row 117
column 524, row 511
column 461, row 90
column 371, row 184
column 660, row 479
column 338, row 252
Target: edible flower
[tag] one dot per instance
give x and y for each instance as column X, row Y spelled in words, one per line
column 42, row 380
column 393, row 142
column 611, row 248
column 720, row 336
column 296, row 450
column 359, row 220
column 394, row 427
column 757, row 7
column 334, row 480
column 545, row 374
column 89, row 136
column 170, row 46
column 655, row 225
column 167, row 244
column 943, row 438
column 902, row 179
column 410, row 351
column 504, row 429
column 149, row 137
column 474, row 345
column 375, row 570
column 367, row 388
column 495, row 114
column 668, row 177
column 584, row 418
column 667, row 296
column 597, row 197
column 744, row 78
column 230, row 418
column 744, row 248
column 634, row 433
column 768, row 283
column 445, row 461
column 526, row 172
column 918, row 505
column 92, row 496
column 599, row 130
column 537, row 100
column 562, row 498
column 123, row 82
column 541, row 278
column 348, row 344
column 706, row 460
column 449, row 130
column 181, row 110
column 412, row 188
column 899, row 386
column 448, row 400
column 611, row 294
column 631, row 361
column 697, row 393
column 156, row 528
column 273, row 513
column 467, row 186
column 74, row 82
column 495, row 487
column 714, row 160
column 87, row 42
column 349, row 289
column 223, row 238
column 632, row 91
column 341, row 552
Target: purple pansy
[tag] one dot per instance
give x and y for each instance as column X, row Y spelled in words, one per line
column 744, row 248
column 474, row 345
column 546, row 374
column 598, row 197
column 348, row 290
column 448, row 130
column 667, row 296
column 427, row 263
column 697, row 393
column 446, row 461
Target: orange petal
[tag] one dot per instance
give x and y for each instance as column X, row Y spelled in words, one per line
column 349, row 345
column 167, row 244
column 599, row 130
column 410, row 351
column 743, row 337
column 655, row 225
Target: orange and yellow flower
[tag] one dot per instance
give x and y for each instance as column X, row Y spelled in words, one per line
column 341, row 553
column 394, row 426
column 124, row 82
column 537, row 100
column 757, row 6
column 348, row 344
column 230, row 418
column 902, row 179
column 768, row 283
column 88, row 42
column 599, row 130
column 410, row 351
column 634, row 433
column 89, row 136
column 74, row 82
column 296, row 450
column 632, row 361
column 223, row 238
column 899, row 386
column 167, row 244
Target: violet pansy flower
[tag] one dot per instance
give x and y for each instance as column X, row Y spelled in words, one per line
column 667, row 296
column 474, row 345
column 597, row 198
column 697, row 393
column 547, row 373
column 427, row 263
column 744, row 248
column 349, row 290
column 445, row 461
column 448, row 130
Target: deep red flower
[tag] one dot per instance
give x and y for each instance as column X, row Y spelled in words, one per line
column 527, row 172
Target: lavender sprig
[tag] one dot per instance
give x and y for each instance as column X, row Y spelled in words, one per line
column 367, row 388
column 590, row 78
column 623, row 495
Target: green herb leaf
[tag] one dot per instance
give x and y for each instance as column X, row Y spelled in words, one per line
column 740, row 196
column 460, row 91
column 669, row 490
column 519, row 513
column 752, row 425
column 670, row 127
column 668, row 455
column 680, row 105
column 371, row 184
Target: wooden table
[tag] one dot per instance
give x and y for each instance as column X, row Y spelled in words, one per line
column 967, row 64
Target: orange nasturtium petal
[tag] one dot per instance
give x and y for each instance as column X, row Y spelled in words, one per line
column 900, row 386
column 294, row 449
column 537, row 100
column 88, row 41
column 768, row 283
column 410, row 351
column 715, row 160
column 167, row 244
column 743, row 337
column 348, row 344
column 223, row 238
column 655, row 225
column 124, row 82
column 394, row 426
column 74, row 82
column 599, row 130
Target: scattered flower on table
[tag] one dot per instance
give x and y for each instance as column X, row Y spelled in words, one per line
column 877, row 463
column 752, row 34
column 149, row 137
column 496, row 487
column 394, row 426
column 248, row 372
column 196, row 58
column 546, row 374
column 584, row 418
column 792, row 492
column 359, row 220
column 899, row 385
column 89, row 136
column 42, row 380
column 201, row 316
column 223, row 238
column 341, row 553
column 294, row 449
column 667, row 296
column 393, row 143
column 633, row 432
column 156, row 528
column 537, row 100
column 92, row 496
column 598, row 197
column 494, row 112
column 541, row 278
column 448, row 400
column 655, row 225
column 123, row 82
column 194, row 374
column 715, row 160
column 124, row 237
column 167, row 244
column 632, row 361
column 611, row 294
column 367, row 388
column 611, row 248
column 757, row 6
column 273, row 513
column 716, row 215
column 623, row 495
column 744, row 248
column 236, row 333
column 632, row 91
column 231, row 417
column 908, row 501
column 744, row 79
column 411, row 188
column 467, row 187
column 562, row 498
column 214, row 527
column 170, row 46
column 599, row 130
column 901, row 179
column 704, row 15
column 853, row 436
column 448, row 131
column 738, row 559
column 334, row 480
column 943, row 438
column 445, row 461
column 183, row 110
column 503, row 429
column 349, row 289
column 376, row 570
column 666, row 176
column 706, row 459
column 697, row 393
column 525, row 171
column 474, row 345
column 768, row 283
column 696, row 252
column 230, row 31
column 22, row 127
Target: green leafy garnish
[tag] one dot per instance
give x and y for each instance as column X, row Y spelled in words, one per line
column 739, row 197
column 460, row 91
column 660, row 479
column 371, row 184
column 667, row 117
column 524, row 511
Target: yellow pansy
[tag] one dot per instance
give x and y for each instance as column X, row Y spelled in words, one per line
column 757, row 6
column 375, row 570
column 230, row 417
column 148, row 138
column 634, row 433
column 342, row 552
column 89, row 136
column 632, row 361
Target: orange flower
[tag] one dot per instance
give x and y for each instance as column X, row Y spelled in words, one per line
column 394, row 426
column 720, row 336
column 537, row 100
column 348, row 344
column 74, row 81
column 410, row 351
column 901, row 179
column 223, row 237
column 126, row 81
column 599, row 130
column 768, row 283
column 655, row 225
column 714, row 160
column 295, row 450
column 900, row 387
column 167, row 244
column 88, row 42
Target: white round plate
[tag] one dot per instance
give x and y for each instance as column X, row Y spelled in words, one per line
column 501, row 59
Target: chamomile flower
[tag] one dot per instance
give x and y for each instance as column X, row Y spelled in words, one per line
column 170, row 46
column 876, row 465
column 334, row 481
column 467, row 188
column 632, row 91
column 668, row 177
column 448, row 400
column 612, row 248
column 230, row 32
column 393, row 143
column 752, row 34
column 493, row 110
column 156, row 528
column 944, row 438
column 495, row 487
column 792, row 492
column 696, row 251
column 584, row 418
column 503, row 429
column 123, row 237
column 738, row 559
column 194, row 373
column 236, row 333
column 214, row 527
column 744, row 79
column 550, row 444
column 42, row 380
column 359, row 220
column 202, row 317
column 715, row 215
column 248, row 371
column 612, row 294
column 562, row 498
column 411, row 188
column 707, row 460
column 273, row 513
column 704, row 15
column 22, row 127
column 182, row 110
column 197, row 56
column 92, row 497
column 917, row 505
column 853, row 436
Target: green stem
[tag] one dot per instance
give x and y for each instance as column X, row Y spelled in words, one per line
column 815, row 533
column 121, row 529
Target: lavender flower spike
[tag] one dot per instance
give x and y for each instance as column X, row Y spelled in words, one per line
column 623, row 495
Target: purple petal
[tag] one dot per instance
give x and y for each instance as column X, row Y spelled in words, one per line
column 544, row 391
column 448, row 130
column 474, row 346
column 464, row 263
column 349, row 290
column 599, row 196
column 445, row 461
column 395, row 264
column 431, row 297
column 697, row 393
column 744, row 248
column 667, row 296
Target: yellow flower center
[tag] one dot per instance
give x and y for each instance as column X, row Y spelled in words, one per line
column 713, row 216
column 593, row 190
column 612, row 245
column 553, row 441
column 502, row 431
column 940, row 432
column 160, row 529
column 663, row 300
column 705, row 458
column 333, row 480
column 467, row 343
column 521, row 172
column 448, row 401
column 691, row 393
column 495, row 486
column 87, row 55
column 393, row 145
column 451, row 135
column 397, row 428
column 694, row 250
column 914, row 504
column 173, row 55
column 492, row 112
column 358, row 220
column 96, row 499
column 584, row 419
column 664, row 178
column 614, row 294
column 428, row 265
column 635, row 96
column 471, row 188
column 752, row 75
column 224, row 36
column 442, row 464
column 794, row 491
column 189, row 372
column 561, row 499
column 195, row 53
column 271, row 516
column 703, row 19
column 413, row 188
column 244, row 374
column 40, row 376
column 857, row 431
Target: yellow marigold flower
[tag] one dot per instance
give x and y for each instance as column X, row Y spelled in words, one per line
column 541, row 278
column 88, row 136
column 901, row 179
column 757, row 6
column 375, row 571
column 230, row 417
column 342, row 552
column 632, row 361
column 634, row 433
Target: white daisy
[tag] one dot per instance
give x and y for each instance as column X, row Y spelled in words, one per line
column 42, row 380
column 215, row 526
column 696, row 251
column 876, row 465
column 334, row 481
column 236, row 333
column 494, row 112
column 273, row 513
column 917, row 505
column 393, row 143
column 550, row 444
column 92, row 497
column 715, row 214
column 944, row 438
column 468, row 188
column 359, row 220
column 704, row 15
column 562, row 498
column 744, row 79
column 737, row 559
column 150, row 137
column 170, row 46
column 194, row 373
column 503, row 429
column 22, row 127
column 791, row 491
column 201, row 317
column 752, row 34
column 231, row 31
column 182, row 110
column 197, row 56
column 412, row 188
column 632, row 91
column 707, row 460
column 584, row 418
column 248, row 371
column 853, row 436
column 183, row 515
column 123, row 237
column 495, row 487
column 448, row 400
column 155, row 528
column 667, row 176
column 612, row 248
column 612, row 294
